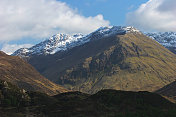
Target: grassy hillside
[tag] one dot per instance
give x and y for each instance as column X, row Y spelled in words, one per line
column 17, row 71
column 123, row 62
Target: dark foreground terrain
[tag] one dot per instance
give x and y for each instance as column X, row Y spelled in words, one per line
column 15, row 102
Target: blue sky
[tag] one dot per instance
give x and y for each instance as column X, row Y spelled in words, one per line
column 113, row 10
column 27, row 22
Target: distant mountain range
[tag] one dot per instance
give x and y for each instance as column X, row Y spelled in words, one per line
column 99, row 65
column 62, row 42
column 115, row 57
column 167, row 39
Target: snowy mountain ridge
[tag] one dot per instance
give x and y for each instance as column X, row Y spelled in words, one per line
column 167, row 39
column 62, row 42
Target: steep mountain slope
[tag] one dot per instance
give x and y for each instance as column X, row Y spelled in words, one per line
column 123, row 60
column 167, row 39
column 15, row 70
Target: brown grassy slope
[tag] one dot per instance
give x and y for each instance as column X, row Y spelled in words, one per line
column 17, row 71
column 124, row 62
column 147, row 64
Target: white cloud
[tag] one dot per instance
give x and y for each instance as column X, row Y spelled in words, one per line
column 155, row 15
column 42, row 18
column 9, row 49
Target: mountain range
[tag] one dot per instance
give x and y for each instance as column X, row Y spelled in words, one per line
column 62, row 42
column 115, row 57
column 105, row 73
column 167, row 39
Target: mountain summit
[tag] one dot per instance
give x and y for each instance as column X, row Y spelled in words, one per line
column 62, row 42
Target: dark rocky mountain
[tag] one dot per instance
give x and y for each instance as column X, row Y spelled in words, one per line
column 16, row 102
column 124, row 60
column 17, row 71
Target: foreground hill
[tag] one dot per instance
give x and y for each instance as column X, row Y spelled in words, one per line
column 122, row 60
column 168, row 91
column 17, row 71
column 16, row 102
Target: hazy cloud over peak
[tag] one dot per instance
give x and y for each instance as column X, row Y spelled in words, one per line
column 10, row 48
column 42, row 18
column 155, row 15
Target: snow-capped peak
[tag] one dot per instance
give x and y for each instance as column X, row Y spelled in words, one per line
column 131, row 29
column 62, row 42
column 167, row 39
column 52, row 45
column 111, row 30
column 116, row 29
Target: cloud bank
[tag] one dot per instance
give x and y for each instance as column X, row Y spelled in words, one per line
column 43, row 18
column 155, row 15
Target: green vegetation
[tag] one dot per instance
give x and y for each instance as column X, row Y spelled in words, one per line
column 12, row 96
